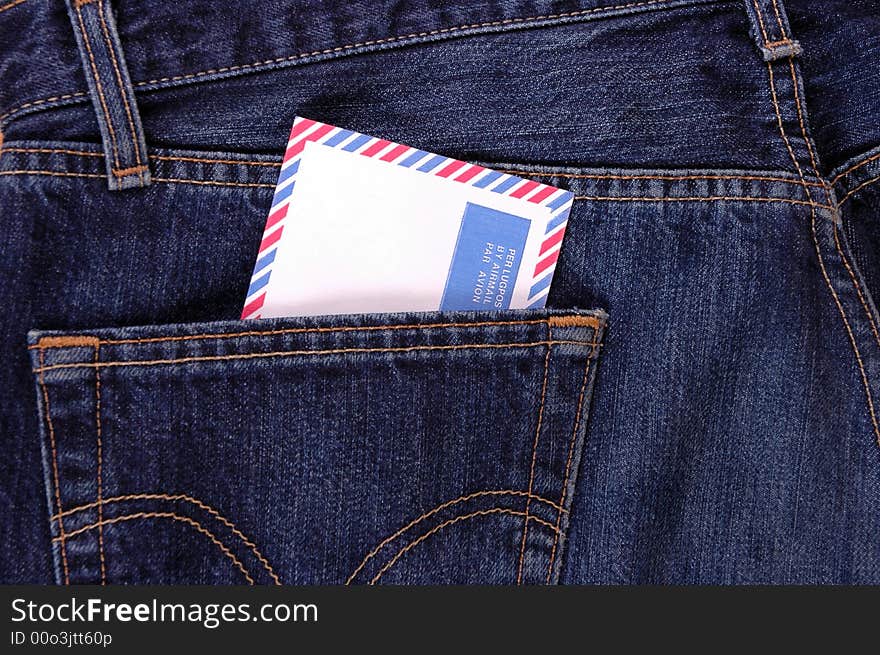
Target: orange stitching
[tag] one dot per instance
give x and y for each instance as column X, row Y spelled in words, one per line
column 169, row 515
column 822, row 261
column 577, row 423
column 122, row 172
column 122, row 90
column 797, row 100
column 511, row 171
column 44, row 101
column 522, row 548
column 85, row 36
column 213, row 182
column 772, row 45
column 855, row 166
column 671, row 178
column 837, row 244
column 849, row 269
column 596, row 198
column 760, row 20
column 705, row 199
column 54, row 469
column 415, row 35
column 61, row 151
column 859, row 188
column 303, row 353
column 445, row 524
column 439, row 508
column 100, row 465
column 573, row 321
column 204, row 506
column 258, row 333
column 80, row 3
column 51, row 173
column 10, row 5
column 65, row 342
column 217, row 161
column 779, row 20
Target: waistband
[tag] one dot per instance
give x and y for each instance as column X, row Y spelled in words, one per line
column 188, row 41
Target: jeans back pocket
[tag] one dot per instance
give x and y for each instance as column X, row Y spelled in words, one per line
column 438, row 447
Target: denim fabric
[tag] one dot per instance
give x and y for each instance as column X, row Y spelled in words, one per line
column 699, row 402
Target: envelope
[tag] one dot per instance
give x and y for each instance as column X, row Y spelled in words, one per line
column 360, row 224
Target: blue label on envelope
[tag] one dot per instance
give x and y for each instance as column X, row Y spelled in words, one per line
column 486, row 259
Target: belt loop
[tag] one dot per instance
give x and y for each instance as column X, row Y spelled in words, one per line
column 125, row 150
column 771, row 30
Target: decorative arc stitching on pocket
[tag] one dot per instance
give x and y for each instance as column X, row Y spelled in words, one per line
column 442, row 506
column 452, row 521
column 194, row 501
column 175, row 517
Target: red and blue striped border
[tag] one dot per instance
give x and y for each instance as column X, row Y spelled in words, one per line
column 304, row 130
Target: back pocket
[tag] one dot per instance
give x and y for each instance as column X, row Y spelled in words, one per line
column 427, row 448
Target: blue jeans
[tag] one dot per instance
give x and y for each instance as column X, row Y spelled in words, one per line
column 699, row 403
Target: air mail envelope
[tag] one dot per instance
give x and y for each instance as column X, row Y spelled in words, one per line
column 361, row 225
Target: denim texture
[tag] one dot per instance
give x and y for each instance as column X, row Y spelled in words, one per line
column 699, row 402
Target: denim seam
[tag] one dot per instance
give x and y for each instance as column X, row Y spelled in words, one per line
column 405, row 39
column 306, row 353
column 52, row 341
column 220, row 183
column 99, row 87
column 175, row 517
column 369, row 46
column 522, row 548
column 452, row 521
column 512, row 171
column 441, row 507
column 194, row 501
column 571, row 443
column 100, row 455
column 851, row 192
column 821, row 261
column 51, row 430
column 855, row 166
column 835, row 211
column 10, row 5
column 138, row 167
column 670, row 178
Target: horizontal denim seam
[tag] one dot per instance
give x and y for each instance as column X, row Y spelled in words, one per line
column 308, row 353
column 164, row 515
column 402, row 40
column 175, row 498
column 513, row 171
column 588, row 320
column 452, row 521
column 220, row 183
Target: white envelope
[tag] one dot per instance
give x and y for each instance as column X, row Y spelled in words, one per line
column 363, row 225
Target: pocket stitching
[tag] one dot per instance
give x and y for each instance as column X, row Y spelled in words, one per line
column 522, row 548
column 452, row 521
column 168, row 515
column 190, row 499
